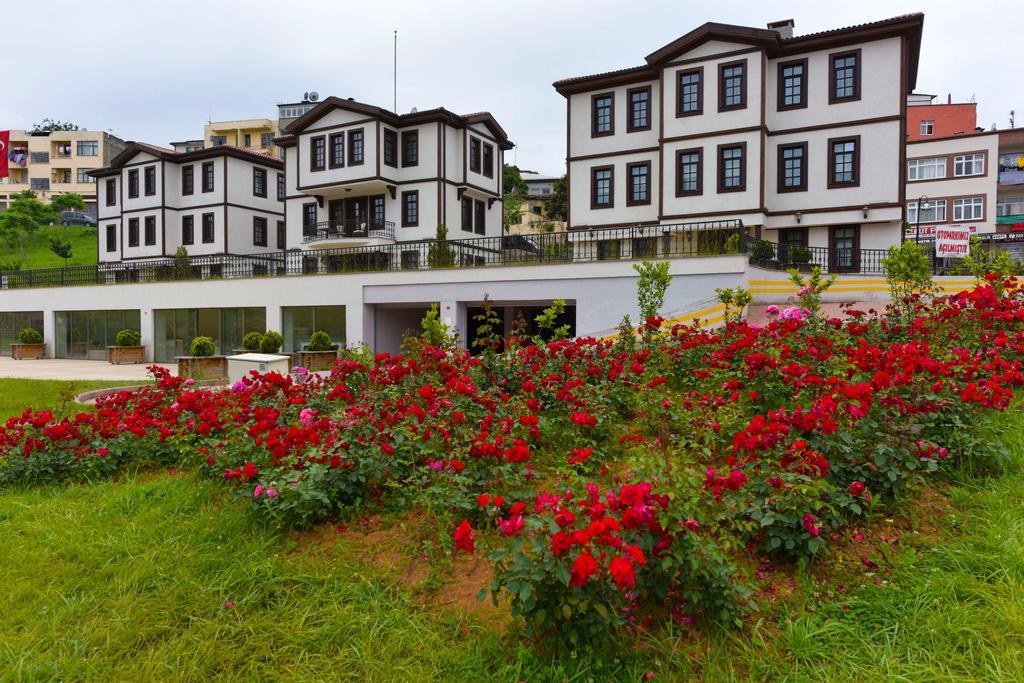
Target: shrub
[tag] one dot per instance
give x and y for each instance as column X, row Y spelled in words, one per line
column 320, row 341
column 30, row 336
column 651, row 287
column 762, row 250
column 128, row 338
column 251, row 341
column 202, row 346
column 800, row 254
column 271, row 342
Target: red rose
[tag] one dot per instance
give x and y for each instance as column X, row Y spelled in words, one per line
column 583, row 568
column 464, row 538
column 622, row 571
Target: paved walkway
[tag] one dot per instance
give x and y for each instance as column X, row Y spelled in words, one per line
column 53, row 368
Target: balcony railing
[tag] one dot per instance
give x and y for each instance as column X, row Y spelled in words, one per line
column 337, row 229
column 776, row 256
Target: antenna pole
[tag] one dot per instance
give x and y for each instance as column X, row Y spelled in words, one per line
column 394, row 75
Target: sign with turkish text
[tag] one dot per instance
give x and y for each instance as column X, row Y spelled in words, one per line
column 952, row 242
column 5, row 144
column 929, row 230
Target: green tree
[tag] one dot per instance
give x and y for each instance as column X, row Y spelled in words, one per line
column 515, row 190
column 440, row 254
column 49, row 125
column 513, row 181
column 182, row 265
column 68, row 201
column 908, row 270
column 62, row 248
column 651, row 287
column 16, row 229
column 557, row 206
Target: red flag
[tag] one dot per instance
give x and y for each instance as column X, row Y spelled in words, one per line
column 5, row 150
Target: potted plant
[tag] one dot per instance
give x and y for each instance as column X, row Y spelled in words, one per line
column 271, row 342
column 250, row 343
column 30, row 345
column 319, row 354
column 202, row 363
column 800, row 256
column 128, row 348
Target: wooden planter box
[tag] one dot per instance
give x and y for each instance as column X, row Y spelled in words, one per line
column 28, row 351
column 202, row 367
column 315, row 361
column 118, row 355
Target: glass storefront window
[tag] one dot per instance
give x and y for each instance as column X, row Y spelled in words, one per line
column 87, row 334
column 300, row 322
column 11, row 325
column 176, row 328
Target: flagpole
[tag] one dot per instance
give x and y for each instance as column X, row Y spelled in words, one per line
column 394, row 75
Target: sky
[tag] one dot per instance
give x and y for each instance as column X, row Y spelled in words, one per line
column 157, row 71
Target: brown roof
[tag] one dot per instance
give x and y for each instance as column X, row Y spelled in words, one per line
column 134, row 148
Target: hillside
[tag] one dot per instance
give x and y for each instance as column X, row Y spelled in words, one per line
column 38, row 254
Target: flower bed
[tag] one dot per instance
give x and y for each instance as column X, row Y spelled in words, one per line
column 612, row 482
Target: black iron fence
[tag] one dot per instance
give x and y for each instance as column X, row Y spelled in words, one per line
column 775, row 256
column 349, row 227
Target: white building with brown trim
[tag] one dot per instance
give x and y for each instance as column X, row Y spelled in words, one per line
column 217, row 201
column 800, row 137
column 359, row 175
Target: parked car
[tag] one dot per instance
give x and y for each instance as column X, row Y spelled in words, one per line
column 77, row 218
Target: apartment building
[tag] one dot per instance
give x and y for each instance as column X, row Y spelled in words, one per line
column 927, row 120
column 218, row 201
column 255, row 135
column 360, row 175
column 800, row 137
column 51, row 163
column 533, row 215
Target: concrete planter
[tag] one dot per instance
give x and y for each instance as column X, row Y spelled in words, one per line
column 202, row 367
column 28, row 351
column 118, row 355
column 315, row 361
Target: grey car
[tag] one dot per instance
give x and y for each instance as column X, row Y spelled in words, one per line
column 77, row 218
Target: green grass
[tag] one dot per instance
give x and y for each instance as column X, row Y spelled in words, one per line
column 127, row 580
column 17, row 394
column 38, row 254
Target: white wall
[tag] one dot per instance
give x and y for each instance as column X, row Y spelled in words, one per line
column 711, row 119
column 347, row 173
column 581, row 142
column 580, row 187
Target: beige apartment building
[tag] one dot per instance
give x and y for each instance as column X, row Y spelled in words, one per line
column 52, row 163
column 252, row 135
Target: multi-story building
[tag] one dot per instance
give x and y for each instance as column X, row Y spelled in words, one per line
column 360, row 175
column 51, row 163
column 188, row 145
column 927, row 120
column 217, row 201
column 255, row 135
column 800, row 137
column 533, row 215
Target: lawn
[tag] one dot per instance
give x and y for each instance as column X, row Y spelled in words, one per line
column 16, row 394
column 38, row 254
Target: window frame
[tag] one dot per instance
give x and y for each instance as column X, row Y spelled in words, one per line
column 594, row 170
column 976, row 201
column 111, row 191
column 188, row 180
column 282, row 236
column 630, row 201
column 259, row 182
column 149, row 230
column 781, row 168
column 780, row 85
column 133, row 183
column 594, row 132
column 832, row 142
column 149, row 180
column 188, row 227
column 474, row 154
column 93, row 145
column 630, row 128
column 934, row 205
column 352, row 138
column 111, row 237
column 390, row 139
column 929, row 123
column 414, row 137
column 960, row 158
column 680, row 153
column 213, row 227
column 479, row 217
column 317, row 153
column 332, row 160
column 722, row 148
column 742, row 104
column 682, row 73
column 832, row 98
column 945, row 168
column 208, row 174
column 467, row 204
column 406, row 196
column 133, row 232
column 259, row 231
column 282, row 190
column 306, row 213
column 487, row 159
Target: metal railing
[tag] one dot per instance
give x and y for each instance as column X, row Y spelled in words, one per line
column 774, row 256
column 349, row 227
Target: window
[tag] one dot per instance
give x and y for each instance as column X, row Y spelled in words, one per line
column 259, row 182
column 282, row 242
column 111, row 191
column 188, row 230
column 474, row 155
column 337, row 150
column 639, row 175
column 317, row 153
column 266, row 140
column 207, row 228
column 309, row 218
column 88, row 148
column 732, row 85
column 602, row 195
column 111, row 238
column 969, row 209
column 410, row 148
column 217, row 140
column 639, row 109
column 932, row 211
column 926, row 169
column 927, row 127
column 690, row 92
column 41, row 183
column 188, row 179
column 844, row 77
column 844, row 248
column 467, row 214
column 602, row 115
column 82, row 175
column 844, row 162
column 150, row 181
column 355, row 147
column 280, row 187
column 259, row 231
column 208, row 176
column 410, row 209
column 488, row 160
column 150, row 230
column 390, row 148
column 689, row 172
column 792, row 85
column 793, row 237
column 792, row 168
column 133, row 232
column 732, row 168
column 377, row 210
column 133, row 183
column 969, row 164
column 480, row 217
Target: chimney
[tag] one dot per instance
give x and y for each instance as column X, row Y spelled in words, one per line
column 949, row 98
column 784, row 28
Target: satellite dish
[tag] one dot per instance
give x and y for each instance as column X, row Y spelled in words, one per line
column 413, row 110
column 305, row 95
column 314, row 96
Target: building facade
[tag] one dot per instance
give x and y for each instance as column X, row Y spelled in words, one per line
column 533, row 216
column 927, row 120
column 800, row 137
column 216, row 201
column 52, row 163
column 255, row 135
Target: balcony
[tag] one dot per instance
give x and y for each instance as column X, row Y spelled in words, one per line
column 1011, row 169
column 1010, row 212
column 349, row 233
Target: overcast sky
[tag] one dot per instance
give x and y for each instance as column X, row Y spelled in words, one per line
column 156, row 72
